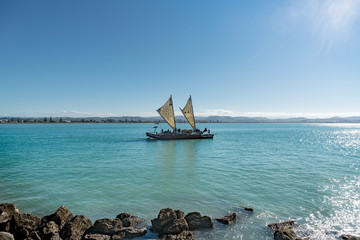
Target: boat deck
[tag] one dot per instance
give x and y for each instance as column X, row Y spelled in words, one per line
column 175, row 136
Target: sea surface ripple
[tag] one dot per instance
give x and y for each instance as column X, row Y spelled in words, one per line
column 305, row 172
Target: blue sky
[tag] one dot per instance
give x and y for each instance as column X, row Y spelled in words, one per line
column 239, row 58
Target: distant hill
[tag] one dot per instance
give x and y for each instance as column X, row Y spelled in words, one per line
column 209, row 119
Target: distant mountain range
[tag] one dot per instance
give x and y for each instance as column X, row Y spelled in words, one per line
column 209, row 119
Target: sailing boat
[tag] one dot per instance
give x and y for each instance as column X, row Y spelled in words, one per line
column 167, row 113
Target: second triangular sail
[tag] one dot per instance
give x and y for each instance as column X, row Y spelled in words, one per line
column 188, row 112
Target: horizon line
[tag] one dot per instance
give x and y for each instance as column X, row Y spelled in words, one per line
column 202, row 116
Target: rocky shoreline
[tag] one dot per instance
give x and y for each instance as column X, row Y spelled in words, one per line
column 169, row 225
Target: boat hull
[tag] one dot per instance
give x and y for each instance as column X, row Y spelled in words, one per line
column 177, row 136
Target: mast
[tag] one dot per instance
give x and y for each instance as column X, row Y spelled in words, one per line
column 188, row 112
column 167, row 113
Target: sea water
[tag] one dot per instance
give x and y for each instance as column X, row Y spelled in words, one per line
column 303, row 172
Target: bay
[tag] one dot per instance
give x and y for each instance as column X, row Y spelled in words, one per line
column 305, row 172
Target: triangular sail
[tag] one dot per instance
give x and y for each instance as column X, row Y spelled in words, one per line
column 188, row 112
column 167, row 113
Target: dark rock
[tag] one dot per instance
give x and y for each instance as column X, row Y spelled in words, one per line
column 184, row 235
column 165, row 217
column 169, row 221
column 132, row 232
column 176, row 227
column 130, row 229
column 285, row 234
column 96, row 237
column 248, row 209
column 5, row 227
column 48, row 230
column 349, row 237
column 122, row 216
column 21, row 233
column 60, row 217
column 6, row 236
column 23, row 224
column 129, row 220
column 230, row 219
column 106, row 226
column 277, row 226
column 75, row 228
column 196, row 221
column 34, row 236
column 180, row 214
column 26, row 220
column 7, row 211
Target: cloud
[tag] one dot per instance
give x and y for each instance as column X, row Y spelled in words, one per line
column 79, row 114
column 332, row 21
column 224, row 112
column 299, row 114
column 219, row 112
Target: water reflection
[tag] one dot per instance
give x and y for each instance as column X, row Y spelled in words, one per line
column 341, row 214
column 177, row 156
column 171, row 151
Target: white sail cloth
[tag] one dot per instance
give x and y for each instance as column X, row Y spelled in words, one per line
column 167, row 113
column 188, row 112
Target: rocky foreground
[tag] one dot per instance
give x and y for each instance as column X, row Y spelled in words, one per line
column 169, row 225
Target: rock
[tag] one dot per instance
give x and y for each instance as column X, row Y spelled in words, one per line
column 6, row 236
column 180, row 214
column 122, row 216
column 349, row 237
column 230, row 219
column 115, row 229
column 26, row 220
column 248, row 209
column 196, row 221
column 129, row 220
column 165, row 217
column 21, row 233
column 169, row 221
column 184, row 235
column 75, row 228
column 286, row 224
column 34, row 236
column 132, row 232
column 176, row 227
column 106, row 226
column 56, row 237
column 96, row 237
column 7, row 211
column 48, row 230
column 23, row 224
column 118, row 236
column 5, row 226
column 285, row 234
column 60, row 217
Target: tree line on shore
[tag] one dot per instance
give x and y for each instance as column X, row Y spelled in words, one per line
column 90, row 120
column 179, row 119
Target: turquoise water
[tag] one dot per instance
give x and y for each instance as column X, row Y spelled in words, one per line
column 305, row 172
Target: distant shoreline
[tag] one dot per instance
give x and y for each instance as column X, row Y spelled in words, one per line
column 179, row 119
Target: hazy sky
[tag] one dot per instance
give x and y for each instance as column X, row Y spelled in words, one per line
column 239, row 58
